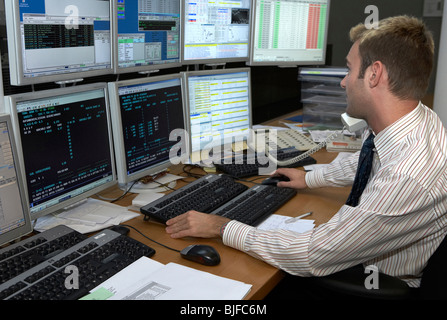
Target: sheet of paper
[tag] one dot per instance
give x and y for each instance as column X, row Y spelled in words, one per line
column 88, row 216
column 177, row 282
column 147, row 279
column 130, row 276
column 276, row 221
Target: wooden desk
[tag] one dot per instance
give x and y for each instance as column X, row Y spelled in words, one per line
column 235, row 264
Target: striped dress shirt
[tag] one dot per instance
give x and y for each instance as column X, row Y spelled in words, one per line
column 400, row 219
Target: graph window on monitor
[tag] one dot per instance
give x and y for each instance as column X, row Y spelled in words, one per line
column 289, row 32
column 219, row 109
column 14, row 213
column 52, row 40
column 146, row 113
column 66, row 144
column 216, row 31
column 148, row 34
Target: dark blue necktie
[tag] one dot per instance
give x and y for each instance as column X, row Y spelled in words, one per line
column 363, row 171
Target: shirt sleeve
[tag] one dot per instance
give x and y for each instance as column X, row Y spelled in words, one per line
column 284, row 249
column 339, row 173
column 354, row 235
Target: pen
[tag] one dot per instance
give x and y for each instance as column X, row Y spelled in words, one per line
column 299, row 217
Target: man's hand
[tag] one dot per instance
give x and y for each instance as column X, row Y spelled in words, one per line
column 297, row 178
column 195, row 224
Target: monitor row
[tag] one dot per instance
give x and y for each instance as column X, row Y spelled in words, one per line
column 75, row 141
column 63, row 40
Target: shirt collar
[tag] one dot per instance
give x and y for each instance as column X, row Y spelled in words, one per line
column 387, row 140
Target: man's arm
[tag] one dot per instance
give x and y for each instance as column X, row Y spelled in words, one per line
column 196, row 224
column 202, row 225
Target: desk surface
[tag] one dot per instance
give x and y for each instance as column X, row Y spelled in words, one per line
column 235, row 264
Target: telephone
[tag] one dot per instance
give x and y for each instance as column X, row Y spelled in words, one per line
column 284, row 139
column 353, row 124
column 349, row 123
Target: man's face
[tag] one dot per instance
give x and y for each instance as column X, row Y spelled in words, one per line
column 357, row 100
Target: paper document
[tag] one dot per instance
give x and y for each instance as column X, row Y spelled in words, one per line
column 88, row 216
column 276, row 221
column 147, row 279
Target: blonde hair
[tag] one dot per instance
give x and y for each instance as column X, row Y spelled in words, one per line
column 405, row 46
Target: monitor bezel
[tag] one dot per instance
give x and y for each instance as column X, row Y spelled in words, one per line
column 214, row 61
column 15, row 48
column 297, row 63
column 121, row 167
column 141, row 69
column 187, row 75
column 27, row 227
column 11, row 102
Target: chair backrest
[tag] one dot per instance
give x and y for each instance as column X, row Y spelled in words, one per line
column 434, row 279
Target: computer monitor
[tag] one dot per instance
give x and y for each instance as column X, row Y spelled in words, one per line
column 146, row 35
column 218, row 104
column 14, row 213
column 58, row 40
column 65, row 145
column 215, row 31
column 289, row 32
column 148, row 120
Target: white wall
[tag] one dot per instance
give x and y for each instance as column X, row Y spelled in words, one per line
column 440, row 99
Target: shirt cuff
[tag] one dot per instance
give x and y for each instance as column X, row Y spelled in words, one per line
column 235, row 234
column 315, row 179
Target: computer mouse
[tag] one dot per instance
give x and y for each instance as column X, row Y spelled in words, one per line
column 120, row 229
column 273, row 181
column 202, row 254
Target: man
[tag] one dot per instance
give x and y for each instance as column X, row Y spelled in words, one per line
column 400, row 218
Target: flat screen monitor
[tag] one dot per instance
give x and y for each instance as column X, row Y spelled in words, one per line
column 14, row 213
column 146, row 35
column 147, row 120
column 216, row 31
column 289, row 32
column 218, row 104
column 65, row 145
column 58, row 40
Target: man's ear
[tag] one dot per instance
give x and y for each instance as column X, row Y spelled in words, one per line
column 375, row 74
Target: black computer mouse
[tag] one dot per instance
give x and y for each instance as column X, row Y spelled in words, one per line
column 273, row 180
column 120, row 229
column 201, row 253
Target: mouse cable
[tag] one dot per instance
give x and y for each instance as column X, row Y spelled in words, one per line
column 126, row 225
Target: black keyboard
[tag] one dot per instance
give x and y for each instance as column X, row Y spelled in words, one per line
column 256, row 204
column 220, row 194
column 204, row 194
column 247, row 166
column 24, row 255
column 96, row 259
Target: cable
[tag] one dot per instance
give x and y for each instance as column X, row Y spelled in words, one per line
column 126, row 225
column 308, row 153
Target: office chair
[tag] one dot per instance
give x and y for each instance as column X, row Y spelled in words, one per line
column 351, row 282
